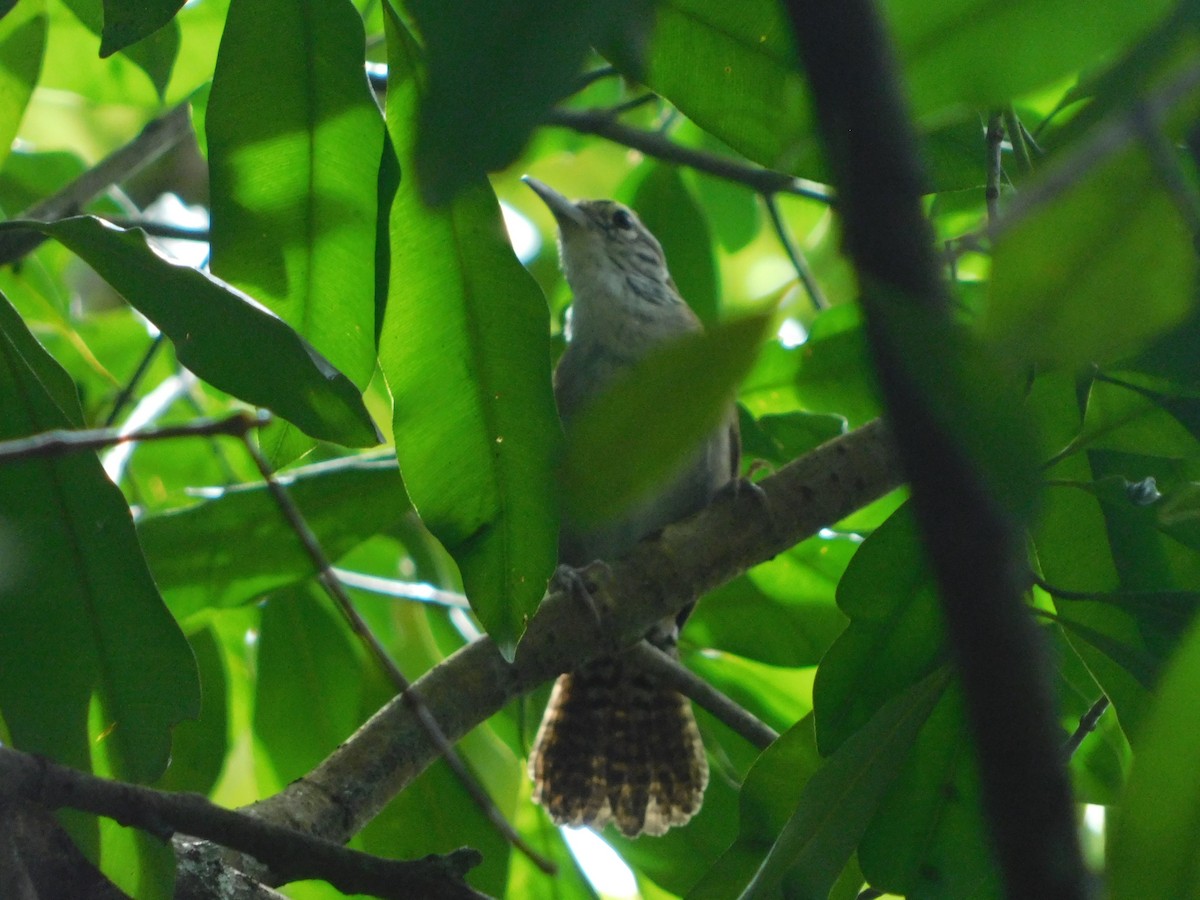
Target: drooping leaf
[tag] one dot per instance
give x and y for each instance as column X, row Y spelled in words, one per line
column 221, row 334
column 153, row 51
column 76, row 589
column 466, row 352
column 699, row 373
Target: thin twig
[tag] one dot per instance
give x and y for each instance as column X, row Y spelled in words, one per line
column 1087, row 724
column 795, row 254
column 154, row 140
column 1017, row 138
column 682, row 679
column 995, row 167
column 293, row 855
column 417, row 706
column 50, row 444
column 134, row 380
column 587, row 79
column 1166, row 163
column 765, row 181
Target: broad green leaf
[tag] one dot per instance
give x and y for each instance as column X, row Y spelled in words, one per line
column 1154, row 844
column 294, row 140
column 466, row 351
column 929, row 837
column 834, row 372
column 310, row 671
column 77, row 590
column 129, row 21
column 22, row 44
column 769, row 795
column 842, row 796
column 667, row 207
column 700, row 373
column 984, row 53
column 779, row 438
column 199, row 746
column 236, row 547
column 732, row 69
column 222, row 335
column 895, row 636
column 496, row 68
column 1071, row 307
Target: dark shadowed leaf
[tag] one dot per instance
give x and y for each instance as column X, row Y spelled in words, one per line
column 22, row 43
column 495, row 69
column 128, row 21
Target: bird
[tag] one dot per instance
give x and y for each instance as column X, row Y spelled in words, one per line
column 615, row 744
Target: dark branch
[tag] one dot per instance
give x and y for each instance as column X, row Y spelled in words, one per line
column 50, row 444
column 602, row 123
column 293, row 855
column 795, row 254
column 972, row 543
column 672, row 672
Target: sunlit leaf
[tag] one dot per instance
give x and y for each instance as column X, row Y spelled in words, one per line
column 466, row 352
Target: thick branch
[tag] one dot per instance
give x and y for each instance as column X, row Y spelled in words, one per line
column 660, row 576
column 293, row 855
column 970, row 540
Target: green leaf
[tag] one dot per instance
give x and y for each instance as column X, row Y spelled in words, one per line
column 667, row 207
column 842, row 797
column 77, row 590
column 294, row 139
column 700, row 373
column 929, row 838
column 769, row 795
column 496, row 68
column 895, row 636
column 129, row 21
column 221, row 334
column 22, row 45
column 153, row 53
column 732, row 69
column 984, row 53
column 1115, row 234
column 466, row 351
column 1153, row 851
column 236, row 547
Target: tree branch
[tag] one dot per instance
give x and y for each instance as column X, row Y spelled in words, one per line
column 154, row 140
column 657, row 578
column 293, row 855
column 602, row 123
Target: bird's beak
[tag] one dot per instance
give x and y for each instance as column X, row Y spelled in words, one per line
column 565, row 212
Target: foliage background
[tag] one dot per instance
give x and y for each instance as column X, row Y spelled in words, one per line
column 306, row 199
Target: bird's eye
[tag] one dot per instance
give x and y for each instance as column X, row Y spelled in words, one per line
column 622, row 219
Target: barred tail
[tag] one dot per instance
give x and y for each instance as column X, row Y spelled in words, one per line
column 617, row 746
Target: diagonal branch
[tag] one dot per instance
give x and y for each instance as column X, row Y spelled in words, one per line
column 289, row 853
column 661, row 575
